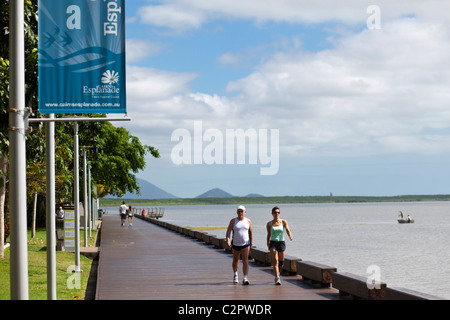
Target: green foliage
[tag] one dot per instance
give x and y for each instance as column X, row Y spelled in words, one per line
column 4, row 100
column 114, row 154
column 31, row 63
column 127, row 156
column 122, row 156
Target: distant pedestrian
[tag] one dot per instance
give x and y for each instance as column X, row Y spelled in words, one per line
column 123, row 212
column 276, row 243
column 130, row 216
column 60, row 213
column 240, row 243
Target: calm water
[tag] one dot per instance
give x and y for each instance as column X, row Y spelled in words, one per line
column 352, row 237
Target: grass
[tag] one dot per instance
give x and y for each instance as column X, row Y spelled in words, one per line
column 37, row 271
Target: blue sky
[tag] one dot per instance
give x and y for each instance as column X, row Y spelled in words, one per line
column 359, row 97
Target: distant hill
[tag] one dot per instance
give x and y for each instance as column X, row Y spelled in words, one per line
column 215, row 193
column 148, row 191
column 253, row 195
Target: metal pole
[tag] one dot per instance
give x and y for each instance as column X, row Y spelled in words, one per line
column 89, row 201
column 51, row 223
column 17, row 149
column 76, row 171
column 85, row 198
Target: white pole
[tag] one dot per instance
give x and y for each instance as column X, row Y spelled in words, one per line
column 85, row 199
column 51, row 202
column 17, row 149
column 76, row 171
column 89, row 201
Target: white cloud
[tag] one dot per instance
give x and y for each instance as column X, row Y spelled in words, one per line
column 147, row 85
column 172, row 16
column 374, row 85
column 188, row 14
column 377, row 92
column 229, row 59
column 378, row 96
column 138, row 49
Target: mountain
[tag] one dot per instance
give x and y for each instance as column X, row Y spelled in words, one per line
column 215, row 193
column 148, row 191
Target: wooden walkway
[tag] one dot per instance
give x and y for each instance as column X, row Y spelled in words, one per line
column 148, row 262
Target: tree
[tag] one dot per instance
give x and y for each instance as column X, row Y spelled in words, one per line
column 114, row 154
column 121, row 157
column 4, row 98
column 112, row 147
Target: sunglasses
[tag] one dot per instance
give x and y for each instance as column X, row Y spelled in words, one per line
column 276, row 212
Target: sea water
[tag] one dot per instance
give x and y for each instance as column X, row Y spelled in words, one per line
column 353, row 237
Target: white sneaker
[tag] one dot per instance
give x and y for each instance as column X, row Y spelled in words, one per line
column 277, row 281
column 245, row 282
column 235, row 279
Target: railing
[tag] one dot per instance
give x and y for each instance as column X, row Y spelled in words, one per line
column 151, row 212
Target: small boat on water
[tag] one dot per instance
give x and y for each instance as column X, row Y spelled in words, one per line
column 405, row 220
column 402, row 220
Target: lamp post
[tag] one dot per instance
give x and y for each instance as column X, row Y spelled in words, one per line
column 50, row 207
column 76, row 200
column 17, row 177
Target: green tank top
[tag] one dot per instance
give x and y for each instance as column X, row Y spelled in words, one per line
column 277, row 233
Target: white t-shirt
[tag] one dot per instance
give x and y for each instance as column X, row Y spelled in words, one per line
column 123, row 209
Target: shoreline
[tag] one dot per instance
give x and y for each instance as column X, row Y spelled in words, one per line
column 111, row 202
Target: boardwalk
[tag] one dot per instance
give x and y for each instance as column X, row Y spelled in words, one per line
column 148, row 262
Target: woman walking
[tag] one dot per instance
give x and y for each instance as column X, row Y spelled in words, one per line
column 276, row 243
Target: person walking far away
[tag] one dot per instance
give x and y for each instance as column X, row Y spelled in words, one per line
column 241, row 242
column 130, row 216
column 276, row 243
column 123, row 212
column 60, row 213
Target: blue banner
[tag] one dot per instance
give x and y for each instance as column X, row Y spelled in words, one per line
column 82, row 56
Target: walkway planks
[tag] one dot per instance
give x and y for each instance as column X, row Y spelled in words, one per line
column 148, row 262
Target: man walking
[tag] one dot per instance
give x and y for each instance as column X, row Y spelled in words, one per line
column 123, row 213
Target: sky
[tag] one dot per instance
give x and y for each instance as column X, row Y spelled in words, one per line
column 345, row 97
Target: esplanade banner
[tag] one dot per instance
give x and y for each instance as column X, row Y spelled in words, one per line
column 82, row 56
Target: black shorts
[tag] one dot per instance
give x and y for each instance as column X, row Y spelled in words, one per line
column 239, row 248
column 123, row 216
column 279, row 246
